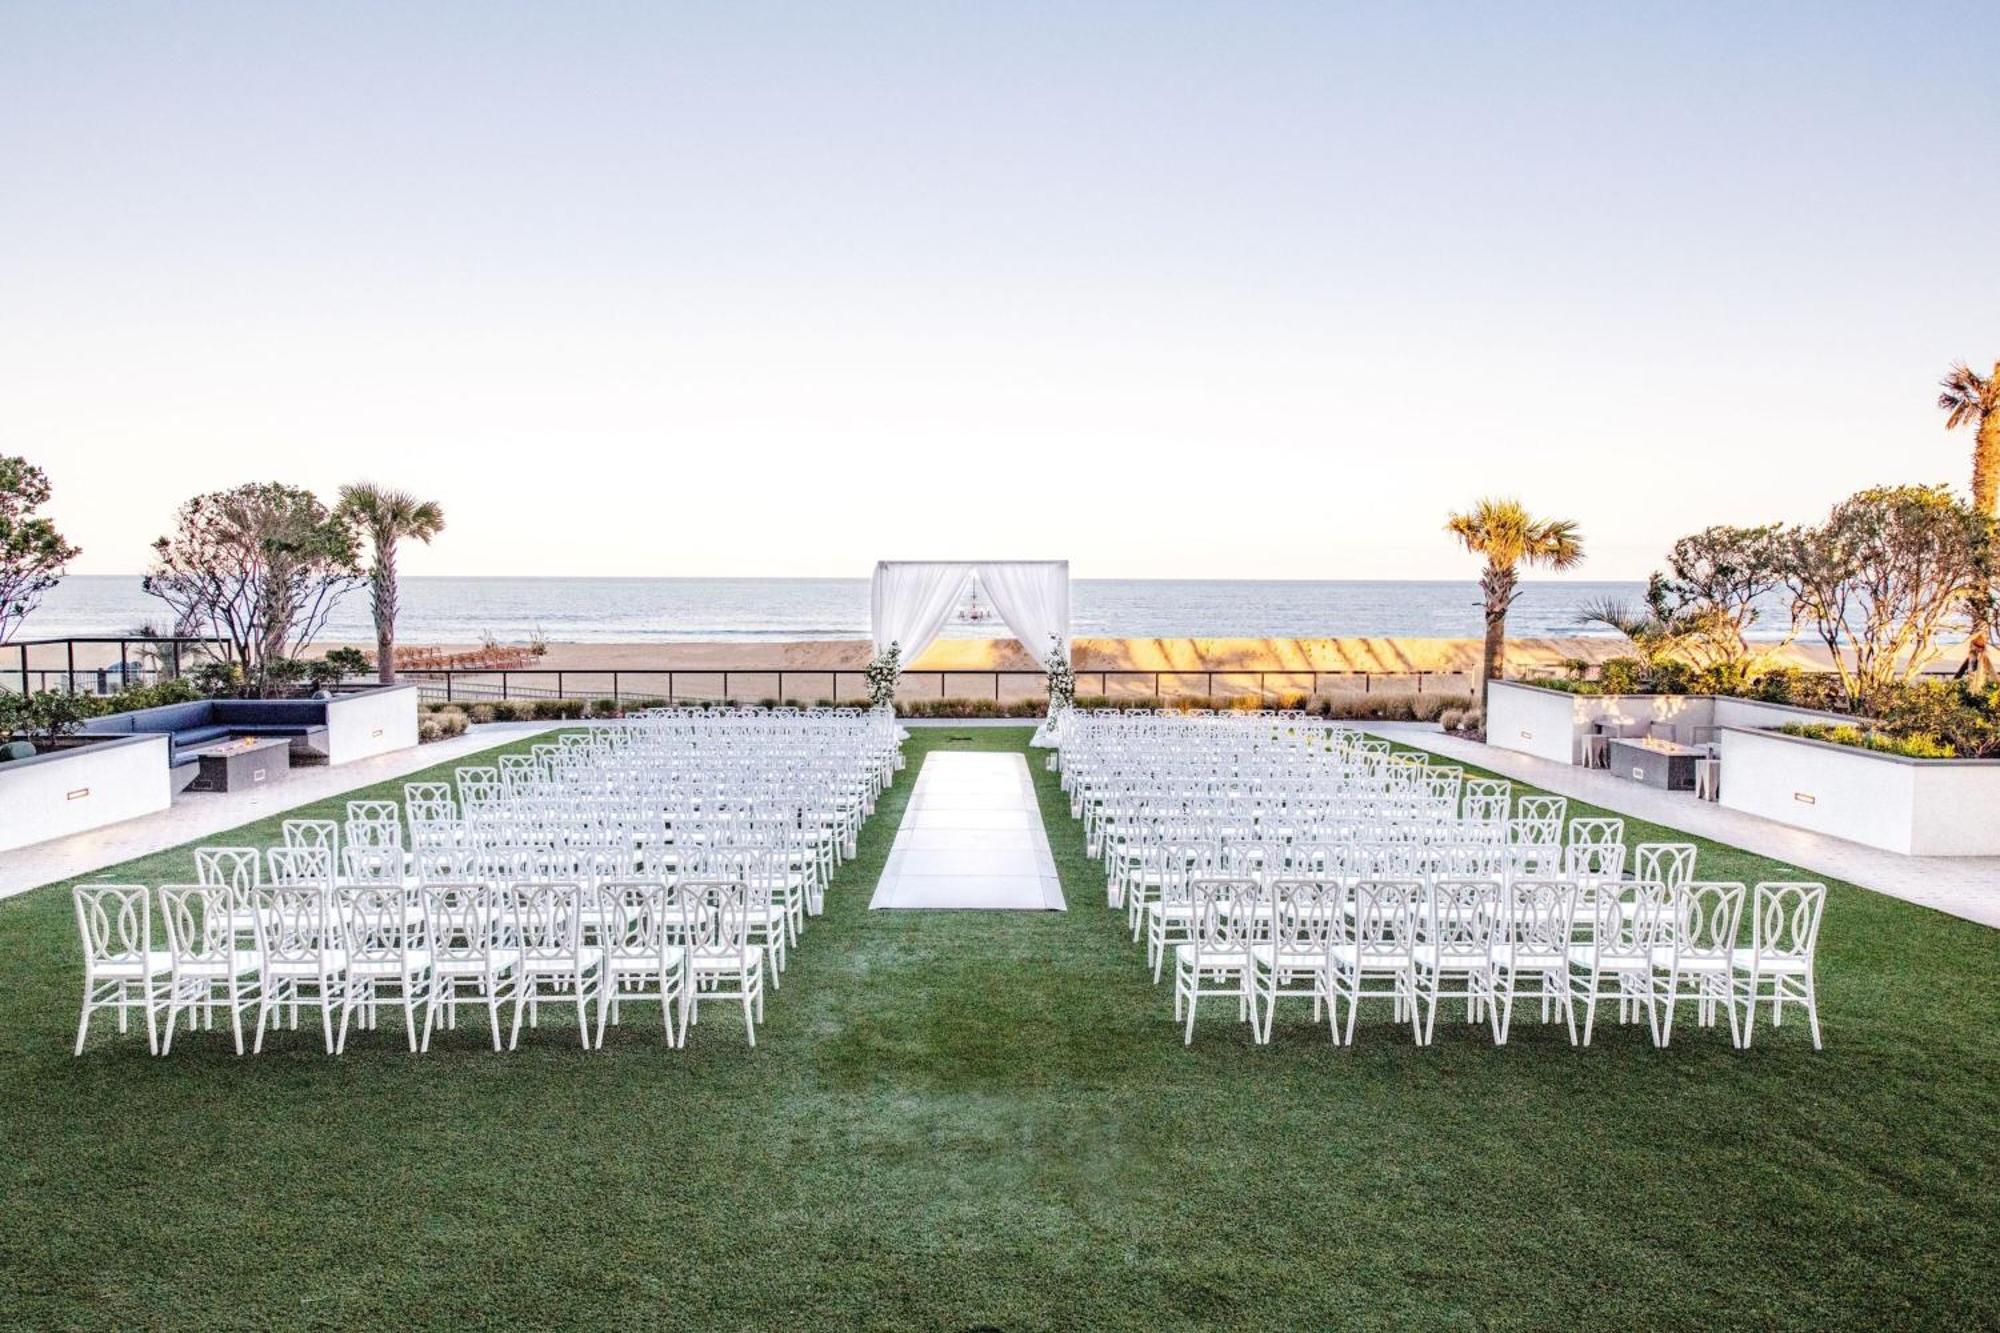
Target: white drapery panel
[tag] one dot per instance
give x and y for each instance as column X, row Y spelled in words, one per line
column 911, row 601
column 1033, row 599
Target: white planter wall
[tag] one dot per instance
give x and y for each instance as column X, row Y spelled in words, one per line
column 360, row 726
column 1532, row 721
column 1551, row 724
column 1920, row 807
column 74, row 791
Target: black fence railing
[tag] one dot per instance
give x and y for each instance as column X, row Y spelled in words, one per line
column 142, row 660
column 850, row 685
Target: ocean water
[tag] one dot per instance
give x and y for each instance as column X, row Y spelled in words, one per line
column 465, row 610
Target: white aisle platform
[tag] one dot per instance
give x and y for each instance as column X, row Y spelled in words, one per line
column 971, row 837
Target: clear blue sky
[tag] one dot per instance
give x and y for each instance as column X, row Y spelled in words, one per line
column 1168, row 289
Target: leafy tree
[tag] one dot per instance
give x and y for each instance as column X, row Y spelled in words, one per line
column 1715, row 580
column 1971, row 399
column 32, row 552
column 1509, row 537
column 259, row 567
column 1890, row 569
column 386, row 518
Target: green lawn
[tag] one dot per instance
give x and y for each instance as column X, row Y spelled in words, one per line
column 988, row 1120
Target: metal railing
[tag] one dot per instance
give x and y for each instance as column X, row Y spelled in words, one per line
column 165, row 653
column 850, row 685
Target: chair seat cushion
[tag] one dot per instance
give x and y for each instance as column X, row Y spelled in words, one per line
column 740, row 962
column 1744, row 960
column 1663, row 958
column 240, row 963
column 1289, row 960
column 1207, row 958
column 1584, row 956
column 156, row 963
column 419, row 961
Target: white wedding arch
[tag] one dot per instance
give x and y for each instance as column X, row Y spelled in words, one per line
column 912, row 599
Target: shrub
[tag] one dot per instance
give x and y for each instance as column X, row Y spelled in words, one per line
column 555, row 710
column 1910, row 747
column 1623, row 675
column 441, row 725
column 346, row 662
column 1450, row 718
column 605, row 708
column 481, row 714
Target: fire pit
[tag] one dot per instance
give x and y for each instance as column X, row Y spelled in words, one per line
column 242, row 762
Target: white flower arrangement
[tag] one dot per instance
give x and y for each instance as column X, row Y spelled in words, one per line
column 883, row 671
column 1062, row 677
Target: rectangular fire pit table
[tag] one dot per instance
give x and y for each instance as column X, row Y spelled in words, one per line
column 248, row 761
column 1656, row 763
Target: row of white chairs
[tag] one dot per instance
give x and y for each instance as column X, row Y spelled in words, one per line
column 356, row 950
column 1563, row 946
column 1244, row 810
column 519, row 882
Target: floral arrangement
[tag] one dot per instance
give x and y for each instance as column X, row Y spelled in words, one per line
column 1062, row 677
column 882, row 673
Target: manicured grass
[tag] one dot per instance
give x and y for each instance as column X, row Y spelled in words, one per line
column 988, row 1120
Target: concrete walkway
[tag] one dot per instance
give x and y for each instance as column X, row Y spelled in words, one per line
column 1963, row 886
column 202, row 814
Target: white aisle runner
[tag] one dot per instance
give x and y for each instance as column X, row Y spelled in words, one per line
column 971, row 837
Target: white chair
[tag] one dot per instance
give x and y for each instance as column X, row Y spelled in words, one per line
column 1668, row 864
column 547, row 925
column 1376, row 944
column 209, row 971
column 121, row 969
column 644, row 959
column 231, row 867
column 1296, row 962
column 722, row 962
column 1778, row 965
column 1453, row 944
column 1694, row 957
column 1215, row 959
column 1531, row 942
column 1614, row 960
column 323, row 833
column 387, row 955
column 474, row 954
column 1166, row 873
column 299, row 954
column 300, row 866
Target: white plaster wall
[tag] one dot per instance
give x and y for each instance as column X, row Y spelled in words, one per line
column 1957, row 809
column 1831, row 789
column 1752, row 713
column 82, row 789
column 1533, row 721
column 359, row 726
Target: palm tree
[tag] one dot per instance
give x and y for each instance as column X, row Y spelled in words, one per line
column 386, row 517
column 1509, row 536
column 1971, row 399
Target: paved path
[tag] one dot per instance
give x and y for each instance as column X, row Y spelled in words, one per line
column 1964, row 886
column 201, row 814
column 971, row 836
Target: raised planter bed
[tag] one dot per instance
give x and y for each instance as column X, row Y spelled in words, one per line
column 82, row 787
column 1920, row 807
column 1552, row 724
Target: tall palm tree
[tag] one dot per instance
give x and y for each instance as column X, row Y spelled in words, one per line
column 386, row 518
column 1971, row 399
column 1509, row 537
